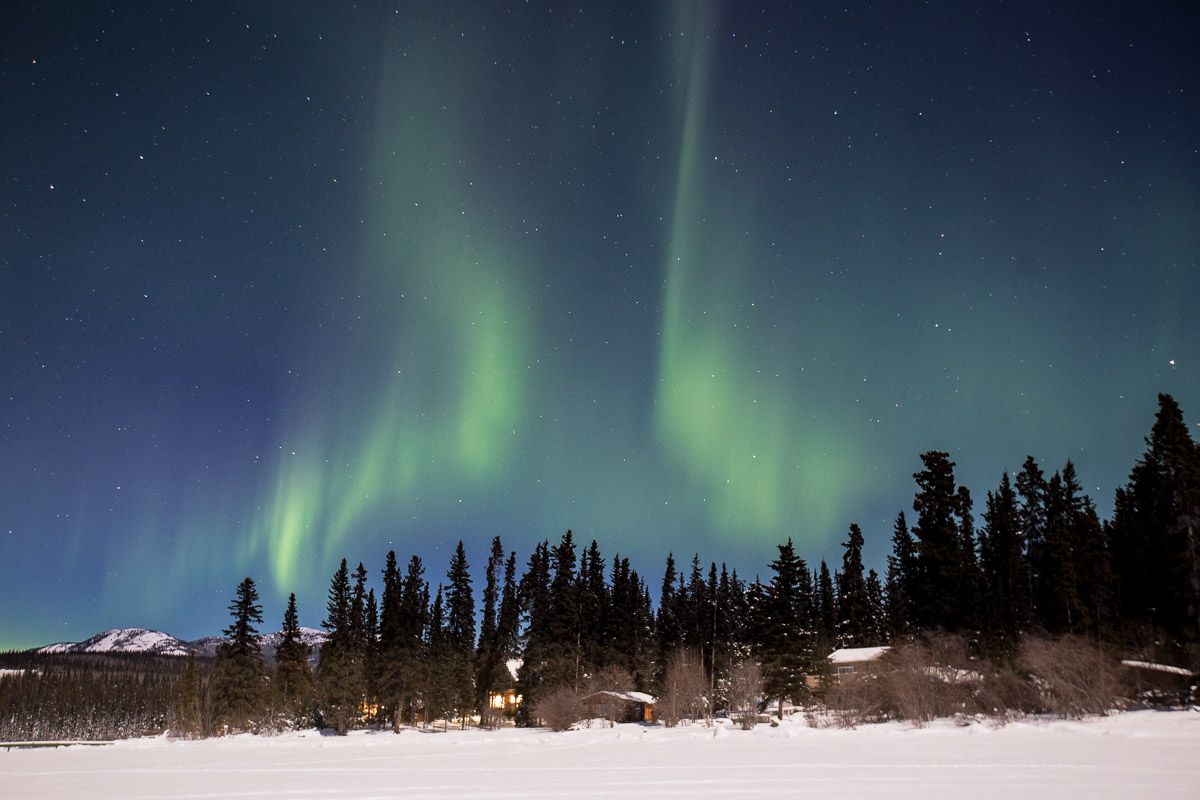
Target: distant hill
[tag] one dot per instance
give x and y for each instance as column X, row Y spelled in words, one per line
column 140, row 640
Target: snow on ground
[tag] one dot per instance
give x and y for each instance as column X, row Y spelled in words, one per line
column 1140, row 754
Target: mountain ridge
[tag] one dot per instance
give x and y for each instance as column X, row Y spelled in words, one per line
column 144, row 640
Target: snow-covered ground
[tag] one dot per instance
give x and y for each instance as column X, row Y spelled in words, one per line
column 1141, row 754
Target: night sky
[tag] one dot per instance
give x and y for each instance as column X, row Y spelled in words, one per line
column 282, row 283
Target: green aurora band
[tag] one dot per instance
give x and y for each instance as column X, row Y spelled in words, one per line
column 445, row 287
column 726, row 412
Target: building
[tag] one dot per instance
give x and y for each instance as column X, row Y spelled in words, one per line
column 619, row 706
column 850, row 661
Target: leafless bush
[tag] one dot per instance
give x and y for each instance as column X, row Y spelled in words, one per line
column 855, row 700
column 684, row 688
column 745, row 685
column 924, row 679
column 1004, row 694
column 559, row 709
column 1073, row 676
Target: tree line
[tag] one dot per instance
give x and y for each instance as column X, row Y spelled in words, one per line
column 1041, row 563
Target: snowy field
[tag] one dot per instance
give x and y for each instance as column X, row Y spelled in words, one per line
column 1141, row 754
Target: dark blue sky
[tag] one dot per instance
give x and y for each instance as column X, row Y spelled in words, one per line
column 281, row 285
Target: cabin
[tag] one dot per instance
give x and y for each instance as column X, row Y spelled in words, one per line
column 505, row 702
column 620, row 706
column 505, row 699
column 849, row 662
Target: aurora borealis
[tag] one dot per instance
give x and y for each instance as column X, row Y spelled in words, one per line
column 282, row 284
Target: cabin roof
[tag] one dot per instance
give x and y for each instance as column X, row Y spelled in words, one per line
column 848, row 655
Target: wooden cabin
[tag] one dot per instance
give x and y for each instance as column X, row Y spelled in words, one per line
column 851, row 661
column 620, row 706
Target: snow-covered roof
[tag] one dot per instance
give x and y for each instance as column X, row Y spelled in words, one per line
column 633, row 697
column 513, row 665
column 847, row 655
column 1159, row 667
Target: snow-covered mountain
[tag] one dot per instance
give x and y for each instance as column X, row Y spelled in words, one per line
column 125, row 640
column 140, row 640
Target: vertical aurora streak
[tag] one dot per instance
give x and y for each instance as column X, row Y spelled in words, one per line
column 444, row 360
column 727, row 413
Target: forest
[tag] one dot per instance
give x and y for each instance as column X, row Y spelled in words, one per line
column 1025, row 603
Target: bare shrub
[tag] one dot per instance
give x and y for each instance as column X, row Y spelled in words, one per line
column 858, row 699
column 927, row 678
column 1073, row 676
column 559, row 709
column 1004, row 695
column 745, row 686
column 684, row 689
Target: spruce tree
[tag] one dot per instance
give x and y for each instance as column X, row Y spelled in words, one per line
column 940, row 568
column 1002, row 560
column 1031, row 489
column 592, row 600
column 668, row 624
column 563, row 666
column 877, row 626
column 854, row 606
column 826, row 608
column 390, row 642
column 239, row 672
column 786, row 627
column 509, row 622
column 1155, row 531
column 489, row 657
column 410, row 658
column 293, row 685
column 460, row 636
column 371, row 657
column 534, row 593
column 901, row 577
column 1055, row 588
column 339, row 672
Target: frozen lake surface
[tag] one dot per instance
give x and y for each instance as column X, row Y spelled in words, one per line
column 1140, row 754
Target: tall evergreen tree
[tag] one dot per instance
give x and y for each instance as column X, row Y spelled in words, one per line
column 936, row 597
column 901, row 576
column 489, row 657
column 409, row 657
column 827, row 613
column 339, row 672
column 1002, row 558
column 592, row 600
column 877, row 625
column 509, row 621
column 970, row 581
column 439, row 690
column 1055, row 586
column 535, row 669
column 1093, row 570
column 390, row 642
column 668, row 625
column 460, row 635
column 238, row 679
column 1031, row 490
column 1155, row 531
column 854, row 606
column 293, row 682
column 786, row 627
column 563, row 667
